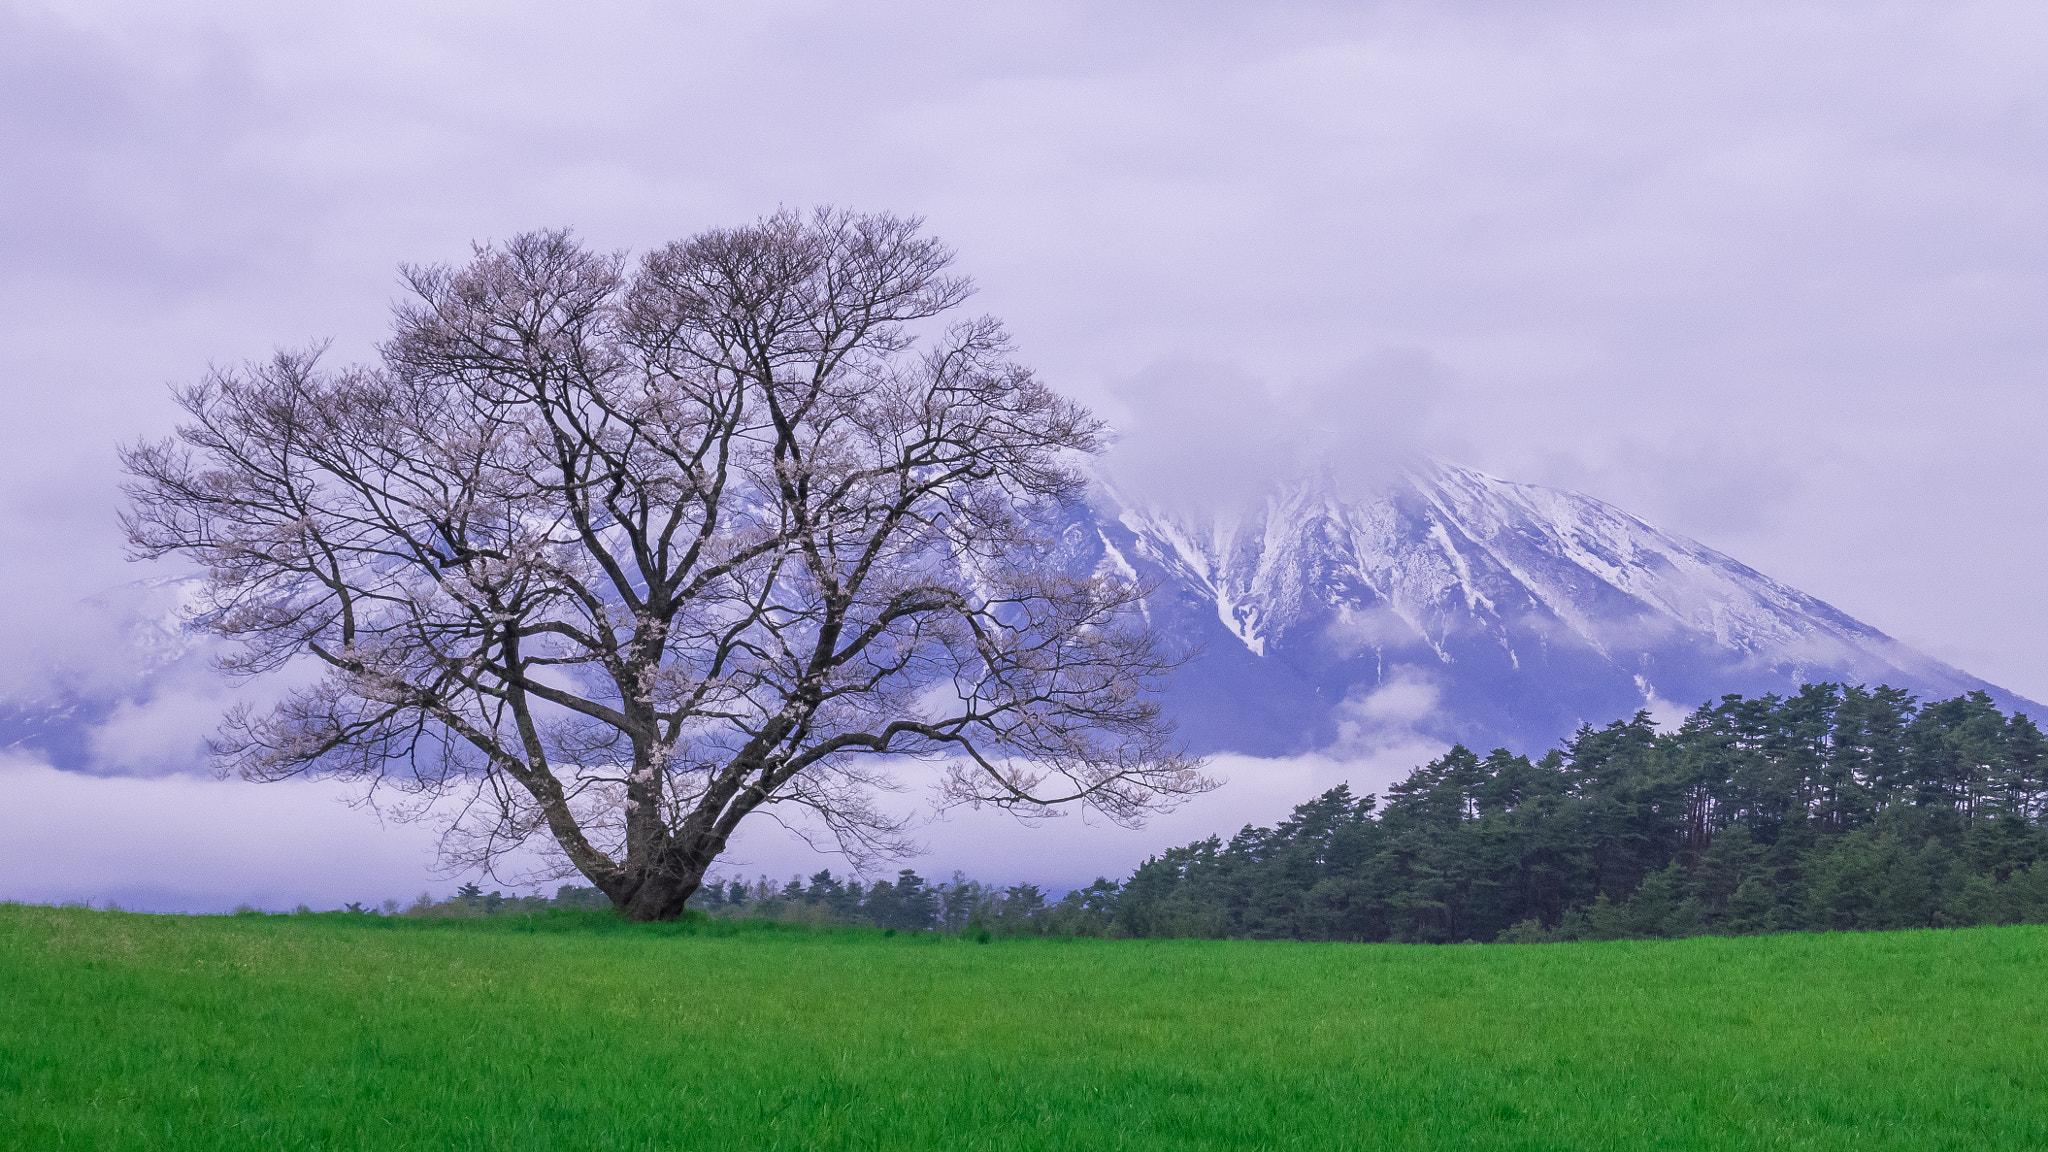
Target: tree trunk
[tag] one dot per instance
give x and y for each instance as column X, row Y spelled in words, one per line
column 659, row 894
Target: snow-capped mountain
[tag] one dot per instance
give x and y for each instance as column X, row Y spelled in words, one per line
column 1456, row 605
column 133, row 690
column 1448, row 605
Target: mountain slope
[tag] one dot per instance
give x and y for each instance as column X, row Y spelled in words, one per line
column 132, row 691
column 1456, row 605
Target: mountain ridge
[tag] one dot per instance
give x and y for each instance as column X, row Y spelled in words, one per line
column 1525, row 609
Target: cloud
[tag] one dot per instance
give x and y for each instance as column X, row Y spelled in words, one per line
column 167, row 732
column 1354, row 630
column 1197, row 436
column 1406, row 697
column 1711, row 482
column 992, row 846
column 184, row 843
column 119, row 683
column 1393, row 718
column 195, row 844
column 1667, row 715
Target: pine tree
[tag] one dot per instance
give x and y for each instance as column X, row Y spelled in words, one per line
column 2027, row 752
column 1885, row 721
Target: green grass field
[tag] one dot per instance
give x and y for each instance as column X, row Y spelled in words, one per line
column 131, row 1031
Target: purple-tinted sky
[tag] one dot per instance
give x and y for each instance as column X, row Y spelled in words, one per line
column 1772, row 275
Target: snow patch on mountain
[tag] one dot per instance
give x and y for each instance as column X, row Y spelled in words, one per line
column 134, row 690
column 1530, row 609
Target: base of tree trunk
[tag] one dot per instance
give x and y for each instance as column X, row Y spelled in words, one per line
column 657, row 898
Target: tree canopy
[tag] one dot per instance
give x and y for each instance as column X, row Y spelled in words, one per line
column 1837, row 807
column 623, row 552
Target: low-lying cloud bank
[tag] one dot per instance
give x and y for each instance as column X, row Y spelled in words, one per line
column 189, row 843
column 141, row 823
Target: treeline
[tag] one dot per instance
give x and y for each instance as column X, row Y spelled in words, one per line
column 910, row 903
column 471, row 901
column 1837, row 808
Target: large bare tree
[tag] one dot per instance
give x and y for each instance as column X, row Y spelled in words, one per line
column 624, row 553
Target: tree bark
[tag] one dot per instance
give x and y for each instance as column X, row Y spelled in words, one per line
column 659, row 894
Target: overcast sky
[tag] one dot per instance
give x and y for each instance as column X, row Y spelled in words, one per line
column 1770, row 275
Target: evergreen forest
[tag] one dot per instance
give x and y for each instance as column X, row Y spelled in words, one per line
column 1836, row 808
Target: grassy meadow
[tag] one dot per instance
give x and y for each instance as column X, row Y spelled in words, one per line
column 123, row 1031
